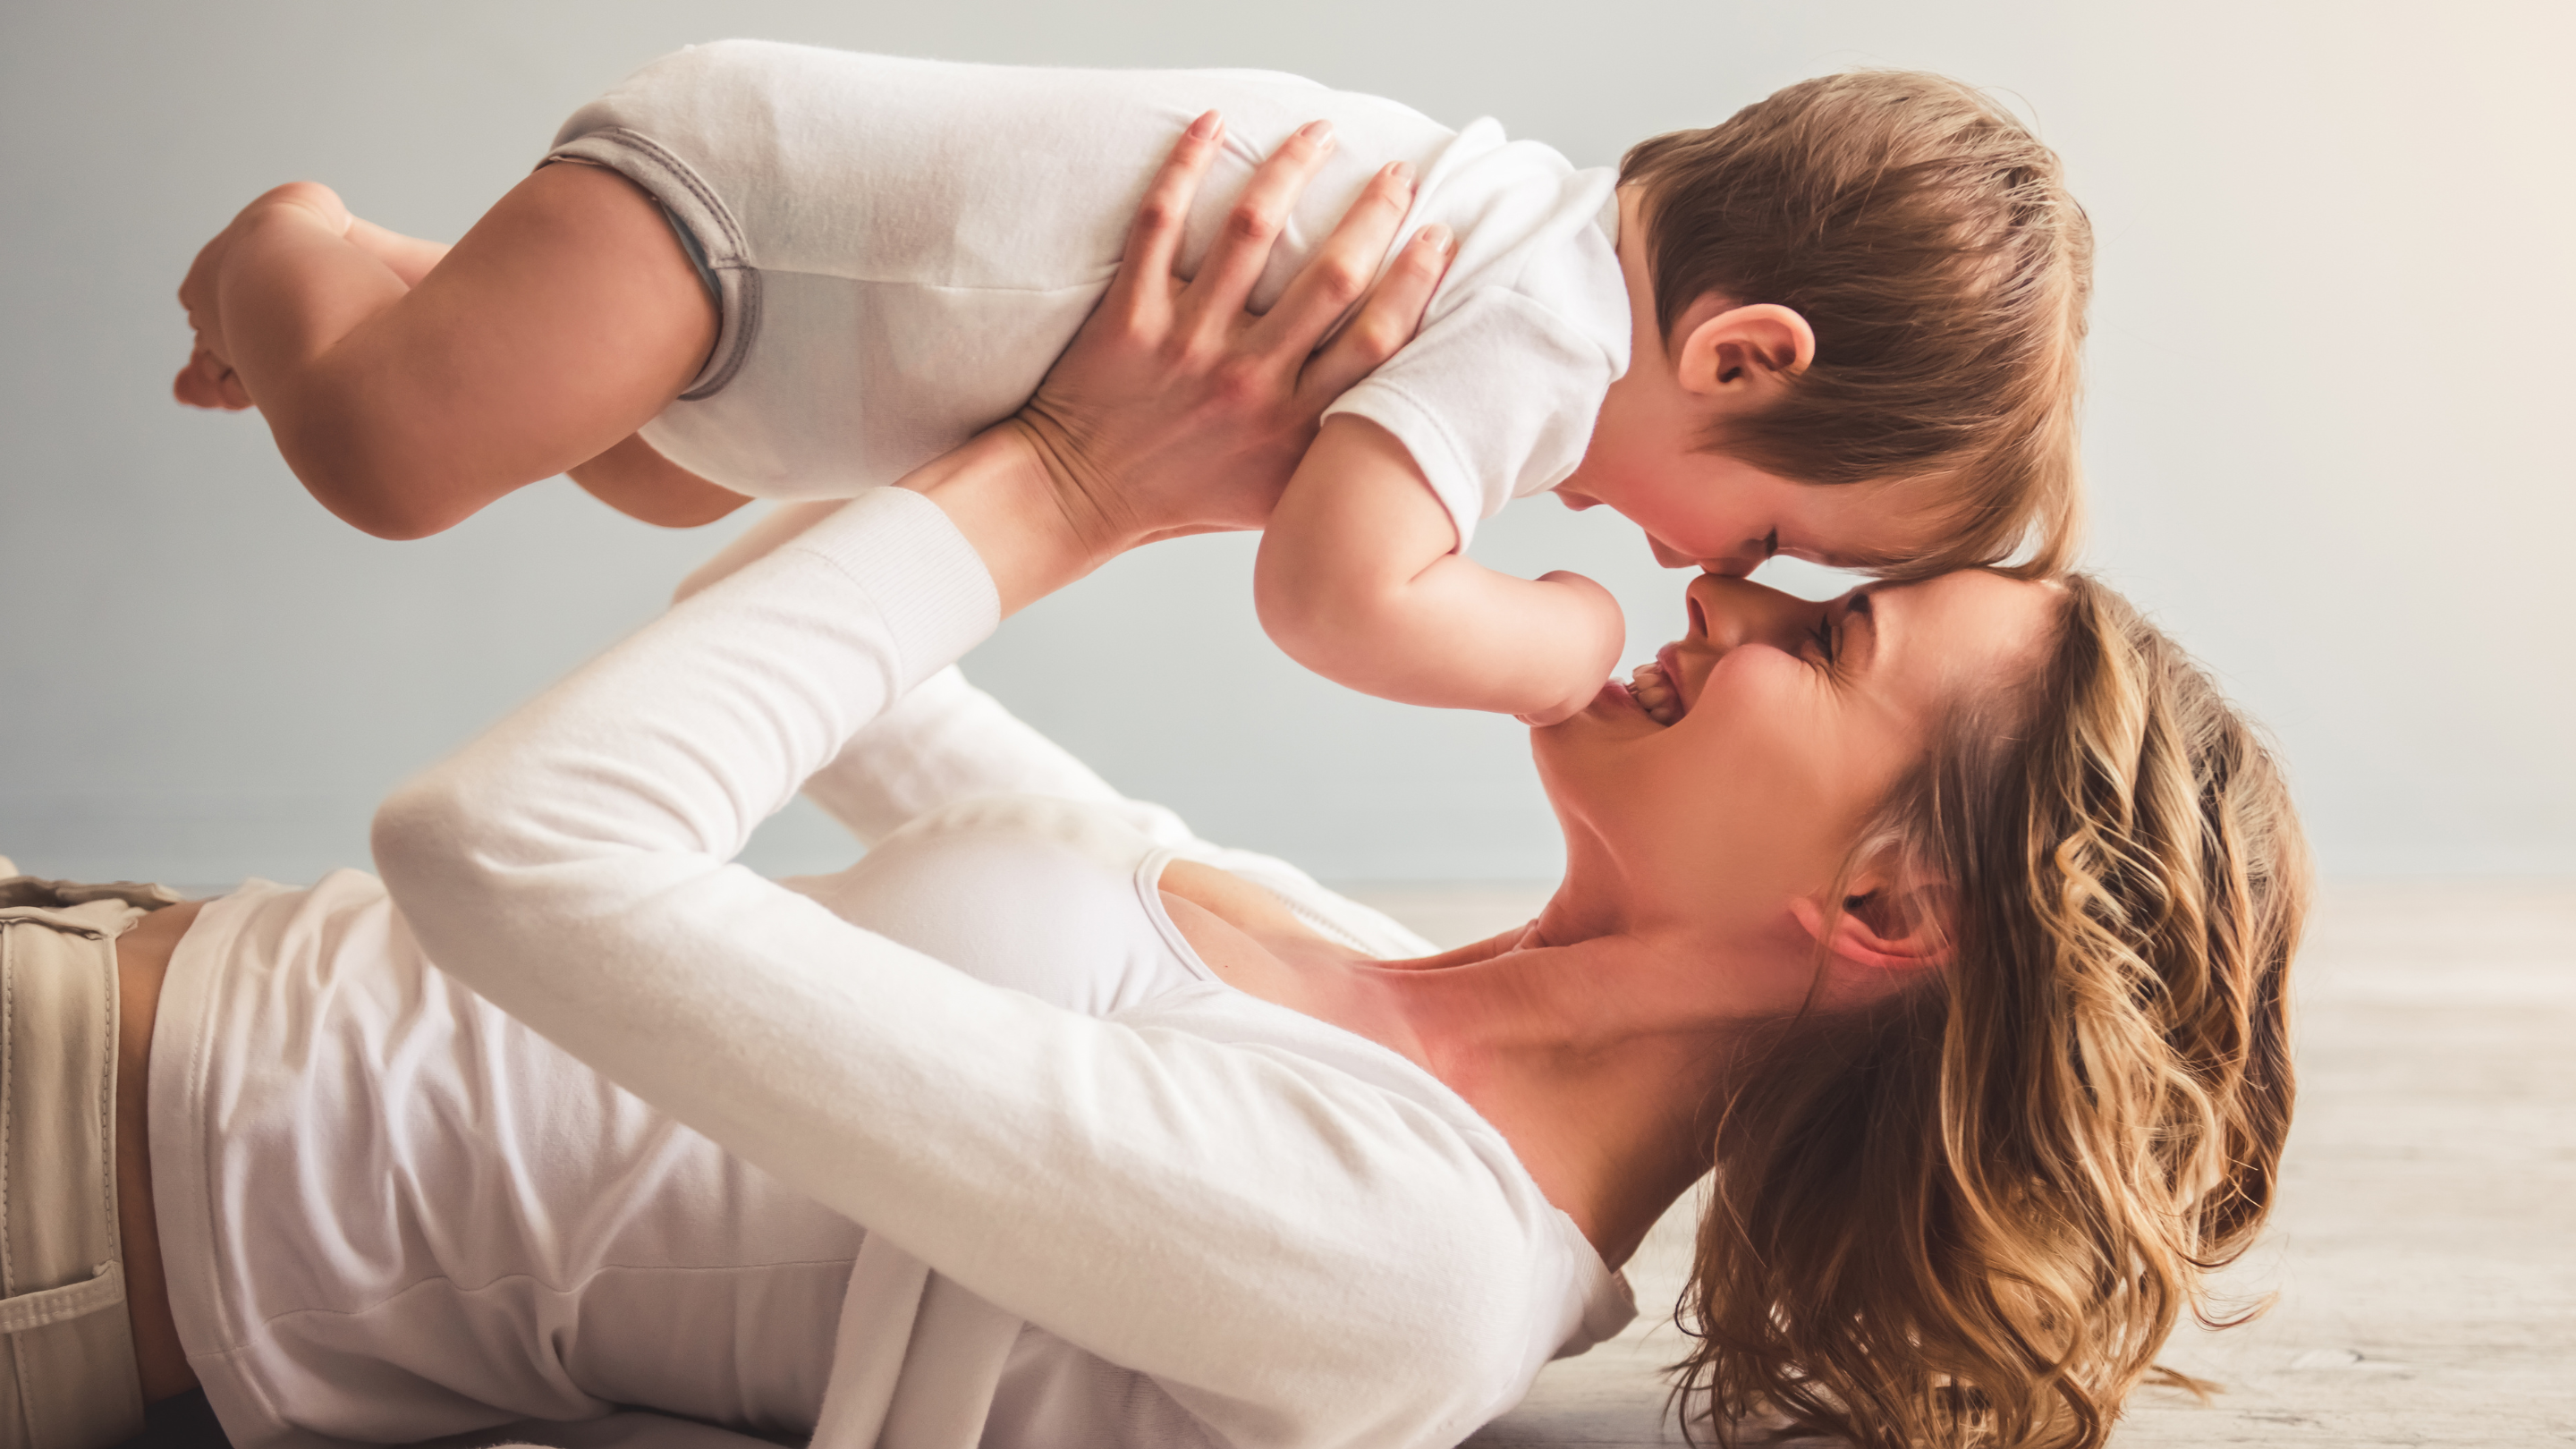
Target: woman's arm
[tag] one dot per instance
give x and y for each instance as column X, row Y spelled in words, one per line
column 572, row 865
column 943, row 741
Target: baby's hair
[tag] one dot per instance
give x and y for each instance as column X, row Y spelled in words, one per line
column 1929, row 240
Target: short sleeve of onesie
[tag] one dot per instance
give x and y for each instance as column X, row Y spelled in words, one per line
column 1495, row 398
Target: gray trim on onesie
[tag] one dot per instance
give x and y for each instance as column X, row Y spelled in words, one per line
column 707, row 232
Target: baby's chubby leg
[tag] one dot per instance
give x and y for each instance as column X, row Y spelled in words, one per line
column 408, row 257
column 407, row 385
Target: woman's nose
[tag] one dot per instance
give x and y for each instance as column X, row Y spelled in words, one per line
column 1730, row 611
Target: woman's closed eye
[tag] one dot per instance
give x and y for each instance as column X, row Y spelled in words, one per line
column 1828, row 630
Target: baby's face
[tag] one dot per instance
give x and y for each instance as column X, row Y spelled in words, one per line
column 1713, row 512
column 1707, row 510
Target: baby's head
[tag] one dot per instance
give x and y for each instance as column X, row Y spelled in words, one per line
column 1871, row 291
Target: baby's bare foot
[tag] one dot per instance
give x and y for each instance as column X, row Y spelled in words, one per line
column 312, row 196
column 208, row 379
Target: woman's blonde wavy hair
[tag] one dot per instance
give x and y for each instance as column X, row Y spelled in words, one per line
column 1971, row 1216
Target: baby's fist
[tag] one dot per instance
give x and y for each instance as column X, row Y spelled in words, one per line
column 1602, row 631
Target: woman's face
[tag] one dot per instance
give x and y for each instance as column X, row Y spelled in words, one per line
column 1738, row 774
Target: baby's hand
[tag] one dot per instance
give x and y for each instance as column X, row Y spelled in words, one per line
column 208, row 381
column 1604, row 632
column 1654, row 694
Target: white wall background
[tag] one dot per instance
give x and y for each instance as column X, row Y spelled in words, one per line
column 2328, row 441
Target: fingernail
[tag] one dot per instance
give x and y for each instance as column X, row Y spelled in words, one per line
column 1400, row 170
column 1319, row 132
column 1205, row 126
column 1436, row 237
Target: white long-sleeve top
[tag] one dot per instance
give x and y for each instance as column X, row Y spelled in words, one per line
column 1300, row 1237
column 901, row 248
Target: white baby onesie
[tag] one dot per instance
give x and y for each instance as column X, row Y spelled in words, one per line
column 901, row 248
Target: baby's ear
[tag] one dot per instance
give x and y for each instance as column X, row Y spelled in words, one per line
column 1884, row 925
column 1744, row 352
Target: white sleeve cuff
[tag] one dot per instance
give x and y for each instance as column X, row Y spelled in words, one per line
column 927, row 581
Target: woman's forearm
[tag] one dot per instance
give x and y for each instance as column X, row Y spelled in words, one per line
column 945, row 740
column 1022, row 521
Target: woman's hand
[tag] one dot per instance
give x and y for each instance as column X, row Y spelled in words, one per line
column 1175, row 410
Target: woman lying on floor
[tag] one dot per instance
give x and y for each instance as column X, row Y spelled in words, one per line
column 1947, row 923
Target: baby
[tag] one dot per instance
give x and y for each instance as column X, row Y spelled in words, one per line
column 1843, row 325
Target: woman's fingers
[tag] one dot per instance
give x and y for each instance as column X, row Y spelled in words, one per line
column 1242, row 249
column 1154, row 238
column 1175, row 413
column 1392, row 314
column 1338, row 274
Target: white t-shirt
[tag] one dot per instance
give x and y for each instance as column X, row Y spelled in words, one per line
column 902, row 248
column 1106, row 1199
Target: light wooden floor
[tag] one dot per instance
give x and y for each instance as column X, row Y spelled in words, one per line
column 2424, row 1250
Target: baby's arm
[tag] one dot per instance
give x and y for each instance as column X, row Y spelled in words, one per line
column 563, row 321
column 1359, row 580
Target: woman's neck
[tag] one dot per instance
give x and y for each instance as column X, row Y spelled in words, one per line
column 1584, row 1058
column 1594, row 1045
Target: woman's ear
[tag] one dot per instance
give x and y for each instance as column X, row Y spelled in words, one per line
column 1742, row 353
column 1881, row 925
